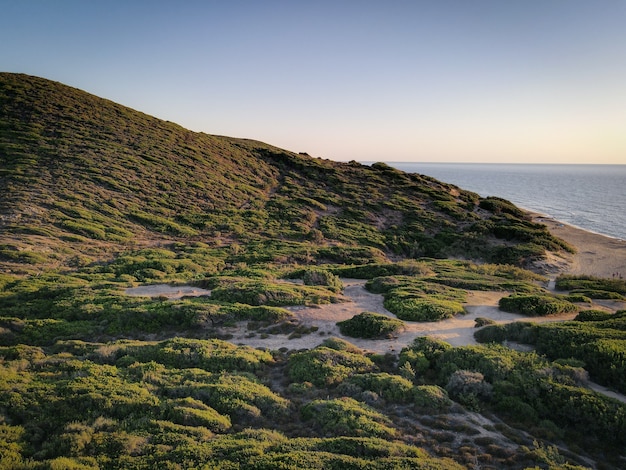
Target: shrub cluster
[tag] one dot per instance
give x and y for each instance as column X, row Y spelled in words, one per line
column 369, row 325
column 536, row 305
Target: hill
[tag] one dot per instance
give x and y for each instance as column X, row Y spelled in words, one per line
column 97, row 199
column 85, row 178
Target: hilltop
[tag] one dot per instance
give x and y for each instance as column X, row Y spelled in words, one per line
column 85, row 178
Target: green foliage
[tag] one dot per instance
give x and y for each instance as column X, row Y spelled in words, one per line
column 536, row 305
column 392, row 388
column 499, row 205
column 320, row 277
column 191, row 412
column 414, row 299
column 422, row 309
column 593, row 315
column 528, row 388
column 347, row 417
column 431, row 397
column 323, row 366
column 369, row 325
column 372, row 270
column 469, row 388
column 260, row 292
column 209, row 355
column 595, row 287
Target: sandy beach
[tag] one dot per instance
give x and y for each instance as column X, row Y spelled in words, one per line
column 597, row 255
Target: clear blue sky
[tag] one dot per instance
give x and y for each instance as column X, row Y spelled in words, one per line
column 439, row 80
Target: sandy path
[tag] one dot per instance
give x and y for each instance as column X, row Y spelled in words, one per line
column 458, row 331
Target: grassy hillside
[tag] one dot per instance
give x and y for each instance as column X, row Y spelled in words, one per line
column 85, row 178
column 96, row 198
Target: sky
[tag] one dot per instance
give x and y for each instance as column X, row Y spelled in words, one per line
column 522, row 81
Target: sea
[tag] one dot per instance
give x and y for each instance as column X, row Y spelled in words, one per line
column 591, row 197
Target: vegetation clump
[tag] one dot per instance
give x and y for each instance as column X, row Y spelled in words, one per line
column 370, row 325
column 348, row 417
column 320, row 277
column 536, row 305
column 594, row 287
column 323, row 366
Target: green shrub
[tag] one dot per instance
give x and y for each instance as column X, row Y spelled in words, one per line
column 191, row 412
column 211, row 355
column 369, row 325
column 341, row 345
column 392, row 388
column 257, row 292
column 498, row 205
column 431, row 397
column 347, row 417
column 593, row 315
column 469, row 388
column 421, row 309
column 591, row 283
column 536, row 305
column 323, row 366
column 321, row 277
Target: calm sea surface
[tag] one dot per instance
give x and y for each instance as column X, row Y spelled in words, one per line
column 592, row 197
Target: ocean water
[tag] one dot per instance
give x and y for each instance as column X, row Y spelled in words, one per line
column 592, row 197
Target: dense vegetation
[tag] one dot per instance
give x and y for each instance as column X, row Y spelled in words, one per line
column 370, row 325
column 93, row 178
column 97, row 198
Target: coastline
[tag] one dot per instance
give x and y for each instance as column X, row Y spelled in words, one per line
column 596, row 255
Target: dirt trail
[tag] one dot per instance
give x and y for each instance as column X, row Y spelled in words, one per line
column 458, row 331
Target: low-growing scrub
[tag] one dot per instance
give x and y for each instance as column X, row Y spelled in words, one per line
column 423, row 309
column 370, row 325
column 591, row 284
column 536, row 305
column 257, row 292
column 323, row 366
column 347, row 417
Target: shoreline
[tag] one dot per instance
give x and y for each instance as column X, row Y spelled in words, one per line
column 596, row 255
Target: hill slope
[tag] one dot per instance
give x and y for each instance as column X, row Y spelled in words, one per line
column 96, row 198
column 84, row 178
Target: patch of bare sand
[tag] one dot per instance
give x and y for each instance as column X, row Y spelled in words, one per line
column 458, row 331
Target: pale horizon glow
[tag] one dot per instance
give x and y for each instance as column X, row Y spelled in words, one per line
column 426, row 81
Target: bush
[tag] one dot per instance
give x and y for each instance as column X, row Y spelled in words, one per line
column 347, row 417
column 469, row 388
column 422, row 309
column 323, row 366
column 369, row 325
column 259, row 292
column 431, row 397
column 591, row 283
column 593, row 315
column 191, row 412
column 321, row 277
column 536, row 305
column 393, row 388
